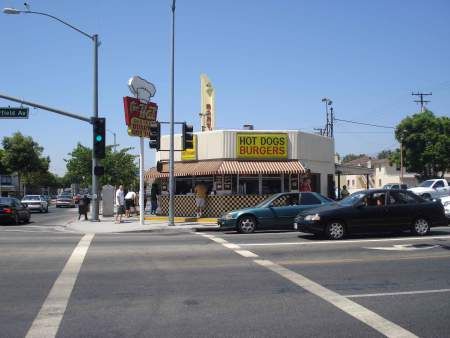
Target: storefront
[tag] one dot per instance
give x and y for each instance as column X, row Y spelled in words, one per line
column 242, row 168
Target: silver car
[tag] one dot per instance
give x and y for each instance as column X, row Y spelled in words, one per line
column 35, row 203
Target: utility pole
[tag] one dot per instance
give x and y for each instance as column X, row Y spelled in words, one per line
column 421, row 101
column 172, row 118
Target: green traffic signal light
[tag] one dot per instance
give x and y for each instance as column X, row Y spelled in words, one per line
column 98, row 138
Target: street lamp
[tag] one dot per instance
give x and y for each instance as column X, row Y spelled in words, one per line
column 94, row 38
column 328, row 128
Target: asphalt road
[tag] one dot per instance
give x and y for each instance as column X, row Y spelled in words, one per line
column 221, row 284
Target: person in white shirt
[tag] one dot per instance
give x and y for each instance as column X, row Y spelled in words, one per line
column 130, row 199
column 120, row 204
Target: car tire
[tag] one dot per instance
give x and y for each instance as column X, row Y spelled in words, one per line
column 16, row 219
column 46, row 210
column 27, row 220
column 246, row 224
column 420, row 226
column 335, row 230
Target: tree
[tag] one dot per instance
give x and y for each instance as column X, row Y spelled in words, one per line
column 23, row 155
column 3, row 168
column 120, row 167
column 351, row 157
column 384, row 154
column 426, row 144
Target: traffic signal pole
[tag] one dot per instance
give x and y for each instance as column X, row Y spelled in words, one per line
column 172, row 118
column 95, row 201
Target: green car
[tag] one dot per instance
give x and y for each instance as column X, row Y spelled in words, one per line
column 275, row 213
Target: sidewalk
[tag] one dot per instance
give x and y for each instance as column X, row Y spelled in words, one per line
column 152, row 224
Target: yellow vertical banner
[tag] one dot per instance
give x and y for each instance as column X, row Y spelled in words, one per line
column 190, row 154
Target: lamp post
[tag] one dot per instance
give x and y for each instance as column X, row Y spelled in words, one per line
column 94, row 38
column 172, row 118
column 328, row 102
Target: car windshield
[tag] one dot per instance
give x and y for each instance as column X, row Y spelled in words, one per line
column 5, row 201
column 426, row 184
column 31, row 198
column 352, row 199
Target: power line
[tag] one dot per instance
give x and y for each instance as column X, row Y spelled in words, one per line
column 422, row 101
column 364, row 124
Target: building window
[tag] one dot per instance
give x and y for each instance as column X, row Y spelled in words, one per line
column 249, row 185
column 6, row 180
column 379, row 182
column 271, row 184
column 348, row 183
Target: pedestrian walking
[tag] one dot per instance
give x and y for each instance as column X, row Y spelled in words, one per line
column 201, row 191
column 83, row 207
column 120, row 204
column 130, row 202
column 154, row 198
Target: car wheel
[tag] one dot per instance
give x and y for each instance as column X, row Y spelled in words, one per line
column 420, row 227
column 46, row 210
column 246, row 224
column 27, row 220
column 335, row 230
column 16, row 219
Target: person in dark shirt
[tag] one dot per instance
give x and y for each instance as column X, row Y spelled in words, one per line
column 83, row 207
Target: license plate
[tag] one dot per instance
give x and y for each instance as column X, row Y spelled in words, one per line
column 295, row 226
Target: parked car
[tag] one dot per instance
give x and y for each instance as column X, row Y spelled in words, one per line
column 12, row 210
column 446, row 203
column 381, row 210
column 430, row 189
column 65, row 200
column 395, row 186
column 35, row 202
column 276, row 213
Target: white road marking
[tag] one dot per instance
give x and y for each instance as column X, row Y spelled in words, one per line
column 355, row 310
column 418, row 292
column 346, row 241
column 246, row 253
column 403, row 247
column 46, row 323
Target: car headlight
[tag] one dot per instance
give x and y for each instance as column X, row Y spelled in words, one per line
column 228, row 216
column 315, row 217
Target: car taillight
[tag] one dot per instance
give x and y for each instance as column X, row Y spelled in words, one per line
column 7, row 210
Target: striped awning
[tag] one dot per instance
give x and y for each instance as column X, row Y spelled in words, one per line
column 200, row 168
column 224, row 167
column 261, row 167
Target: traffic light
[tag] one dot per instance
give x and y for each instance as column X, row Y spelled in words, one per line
column 155, row 136
column 99, row 170
column 188, row 136
column 99, row 128
column 159, row 166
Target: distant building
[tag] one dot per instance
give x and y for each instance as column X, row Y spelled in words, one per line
column 9, row 185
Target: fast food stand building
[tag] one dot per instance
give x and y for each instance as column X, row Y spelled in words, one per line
column 243, row 167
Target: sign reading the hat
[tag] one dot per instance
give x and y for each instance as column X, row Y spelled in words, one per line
column 262, row 145
column 139, row 116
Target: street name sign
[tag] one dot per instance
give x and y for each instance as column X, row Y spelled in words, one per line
column 14, row 113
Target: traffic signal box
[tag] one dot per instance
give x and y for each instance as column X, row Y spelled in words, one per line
column 155, row 136
column 188, row 136
column 99, row 128
column 159, row 166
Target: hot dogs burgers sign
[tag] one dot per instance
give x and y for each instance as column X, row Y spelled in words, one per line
column 262, row 145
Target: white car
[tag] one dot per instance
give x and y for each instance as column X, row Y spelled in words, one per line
column 35, row 203
column 446, row 203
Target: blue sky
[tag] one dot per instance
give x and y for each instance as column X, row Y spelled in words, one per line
column 271, row 62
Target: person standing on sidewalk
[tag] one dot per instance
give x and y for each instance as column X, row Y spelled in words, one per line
column 83, row 207
column 201, row 192
column 120, row 204
column 130, row 202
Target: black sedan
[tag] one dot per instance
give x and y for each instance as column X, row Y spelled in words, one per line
column 12, row 210
column 373, row 211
